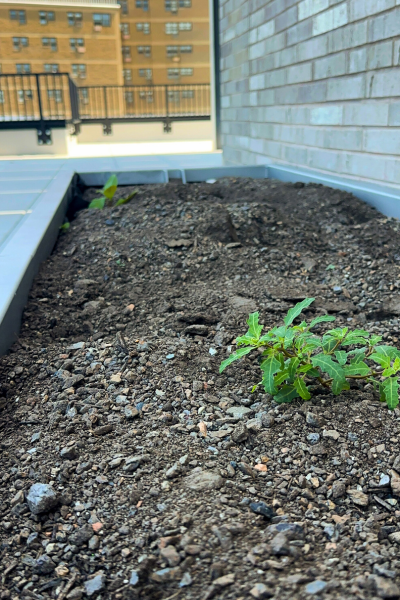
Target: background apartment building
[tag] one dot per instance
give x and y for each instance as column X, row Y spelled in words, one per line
column 136, row 42
column 80, row 38
column 165, row 41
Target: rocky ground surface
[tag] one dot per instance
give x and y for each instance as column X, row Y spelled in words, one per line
column 131, row 469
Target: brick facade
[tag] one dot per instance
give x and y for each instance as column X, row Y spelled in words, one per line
column 313, row 83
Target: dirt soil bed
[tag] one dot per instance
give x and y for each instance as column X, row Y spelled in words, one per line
column 117, row 367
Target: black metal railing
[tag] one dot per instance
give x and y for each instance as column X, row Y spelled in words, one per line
column 53, row 100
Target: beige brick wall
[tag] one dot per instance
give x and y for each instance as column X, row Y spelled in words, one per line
column 312, row 83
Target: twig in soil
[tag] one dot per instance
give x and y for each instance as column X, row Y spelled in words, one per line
column 8, row 570
column 173, row 595
column 383, row 503
column 231, row 227
column 67, row 588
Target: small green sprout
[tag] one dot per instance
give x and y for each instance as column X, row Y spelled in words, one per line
column 108, row 193
column 293, row 357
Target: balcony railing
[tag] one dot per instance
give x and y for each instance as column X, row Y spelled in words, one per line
column 46, row 101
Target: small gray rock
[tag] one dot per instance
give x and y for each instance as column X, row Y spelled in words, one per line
column 69, row 453
column 316, row 586
column 280, row 545
column 238, row 411
column 44, row 565
column 200, row 480
column 131, row 412
column 95, row 585
column 41, row 498
column 174, row 471
column 240, row 433
column 312, row 419
column 338, row 489
column 81, row 536
column 313, row 438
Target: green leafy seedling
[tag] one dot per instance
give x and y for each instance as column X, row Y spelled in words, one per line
column 293, row 358
column 108, row 193
column 65, row 226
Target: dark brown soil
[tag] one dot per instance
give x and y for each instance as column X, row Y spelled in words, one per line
column 153, row 294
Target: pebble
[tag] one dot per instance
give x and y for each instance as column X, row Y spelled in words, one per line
column 260, row 508
column 261, row 591
column 358, row 497
column 313, row 438
column 238, row 411
column 94, row 585
column 200, row 480
column 41, row 498
column 315, row 587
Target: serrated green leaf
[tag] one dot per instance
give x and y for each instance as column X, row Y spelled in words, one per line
column 387, row 351
column 381, row 359
column 388, row 372
column 297, row 310
column 128, row 198
column 321, row 319
column 308, row 369
column 359, row 368
column 280, row 332
column 110, row 187
column 382, row 395
column 396, row 364
column 286, row 394
column 301, row 388
column 292, row 366
column 254, row 328
column 374, row 339
column 98, row 203
column 245, row 339
column 327, row 365
column 328, row 344
column 391, row 387
column 341, row 357
column 359, row 355
column 235, row 356
column 269, row 367
column 350, row 341
column 281, row 377
column 268, row 337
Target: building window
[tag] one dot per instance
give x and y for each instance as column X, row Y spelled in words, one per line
column 46, row 16
column 175, row 28
column 102, row 19
column 143, row 4
column 145, row 50
column 175, row 50
column 1, row 97
column 50, row 68
column 124, row 6
column 127, row 73
column 126, row 53
column 173, row 73
column 50, row 43
column 173, row 5
column 76, row 43
column 23, row 69
column 74, row 19
column 18, row 15
column 24, row 95
column 83, row 95
column 79, row 71
column 125, row 30
column 174, row 96
column 143, row 27
column 188, row 94
column 129, row 97
column 55, row 95
column 147, row 73
column 20, row 42
column 147, row 96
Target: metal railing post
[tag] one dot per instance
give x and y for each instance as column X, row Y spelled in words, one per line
column 167, row 122
column 43, row 132
column 107, row 130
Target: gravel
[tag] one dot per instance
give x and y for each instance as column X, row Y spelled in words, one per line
column 132, row 469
